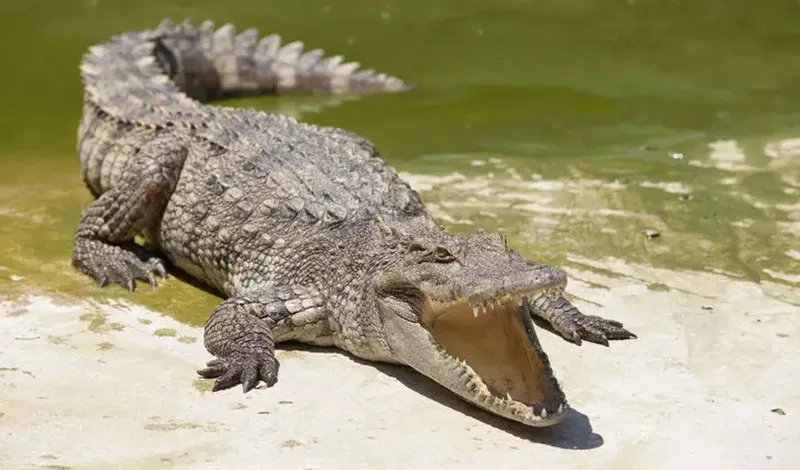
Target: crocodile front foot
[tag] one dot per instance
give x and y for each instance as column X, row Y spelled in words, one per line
column 246, row 368
column 123, row 265
column 242, row 342
column 571, row 324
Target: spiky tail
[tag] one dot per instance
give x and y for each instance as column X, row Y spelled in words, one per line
column 145, row 71
column 209, row 63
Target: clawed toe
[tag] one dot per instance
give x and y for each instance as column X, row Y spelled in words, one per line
column 213, row 369
column 240, row 369
column 122, row 265
column 229, row 379
column 137, row 270
column 599, row 330
column 565, row 319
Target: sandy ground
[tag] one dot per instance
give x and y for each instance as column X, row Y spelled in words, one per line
column 712, row 383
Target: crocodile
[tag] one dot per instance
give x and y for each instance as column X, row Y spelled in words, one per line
column 304, row 231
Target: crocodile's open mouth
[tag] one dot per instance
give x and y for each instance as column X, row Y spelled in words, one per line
column 501, row 362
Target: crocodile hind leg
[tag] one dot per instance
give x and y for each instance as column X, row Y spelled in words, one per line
column 571, row 324
column 104, row 240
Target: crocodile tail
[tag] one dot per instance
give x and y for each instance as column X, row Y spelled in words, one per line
column 208, row 64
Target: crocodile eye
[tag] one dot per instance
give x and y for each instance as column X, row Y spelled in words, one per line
column 430, row 255
column 441, row 255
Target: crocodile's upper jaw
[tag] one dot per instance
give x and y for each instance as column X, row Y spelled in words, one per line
column 488, row 354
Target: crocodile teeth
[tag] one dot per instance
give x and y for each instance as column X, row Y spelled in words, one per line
column 560, row 408
column 487, row 306
column 544, row 413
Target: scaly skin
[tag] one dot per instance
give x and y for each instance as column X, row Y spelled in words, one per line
column 306, row 231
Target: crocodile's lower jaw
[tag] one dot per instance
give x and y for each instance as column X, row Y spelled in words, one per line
column 494, row 349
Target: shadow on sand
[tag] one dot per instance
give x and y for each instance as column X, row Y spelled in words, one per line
column 575, row 432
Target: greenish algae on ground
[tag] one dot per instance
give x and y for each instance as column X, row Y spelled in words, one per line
column 203, row 385
column 658, row 287
column 165, row 332
column 571, row 126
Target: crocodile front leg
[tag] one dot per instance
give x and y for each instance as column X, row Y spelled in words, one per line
column 239, row 333
column 104, row 246
column 243, row 330
column 571, row 324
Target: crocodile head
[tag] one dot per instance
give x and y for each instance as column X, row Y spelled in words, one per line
column 454, row 308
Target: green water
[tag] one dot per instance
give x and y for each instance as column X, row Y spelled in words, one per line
column 557, row 122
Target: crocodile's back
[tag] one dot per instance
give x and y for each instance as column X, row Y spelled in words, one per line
column 274, row 180
column 279, row 158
